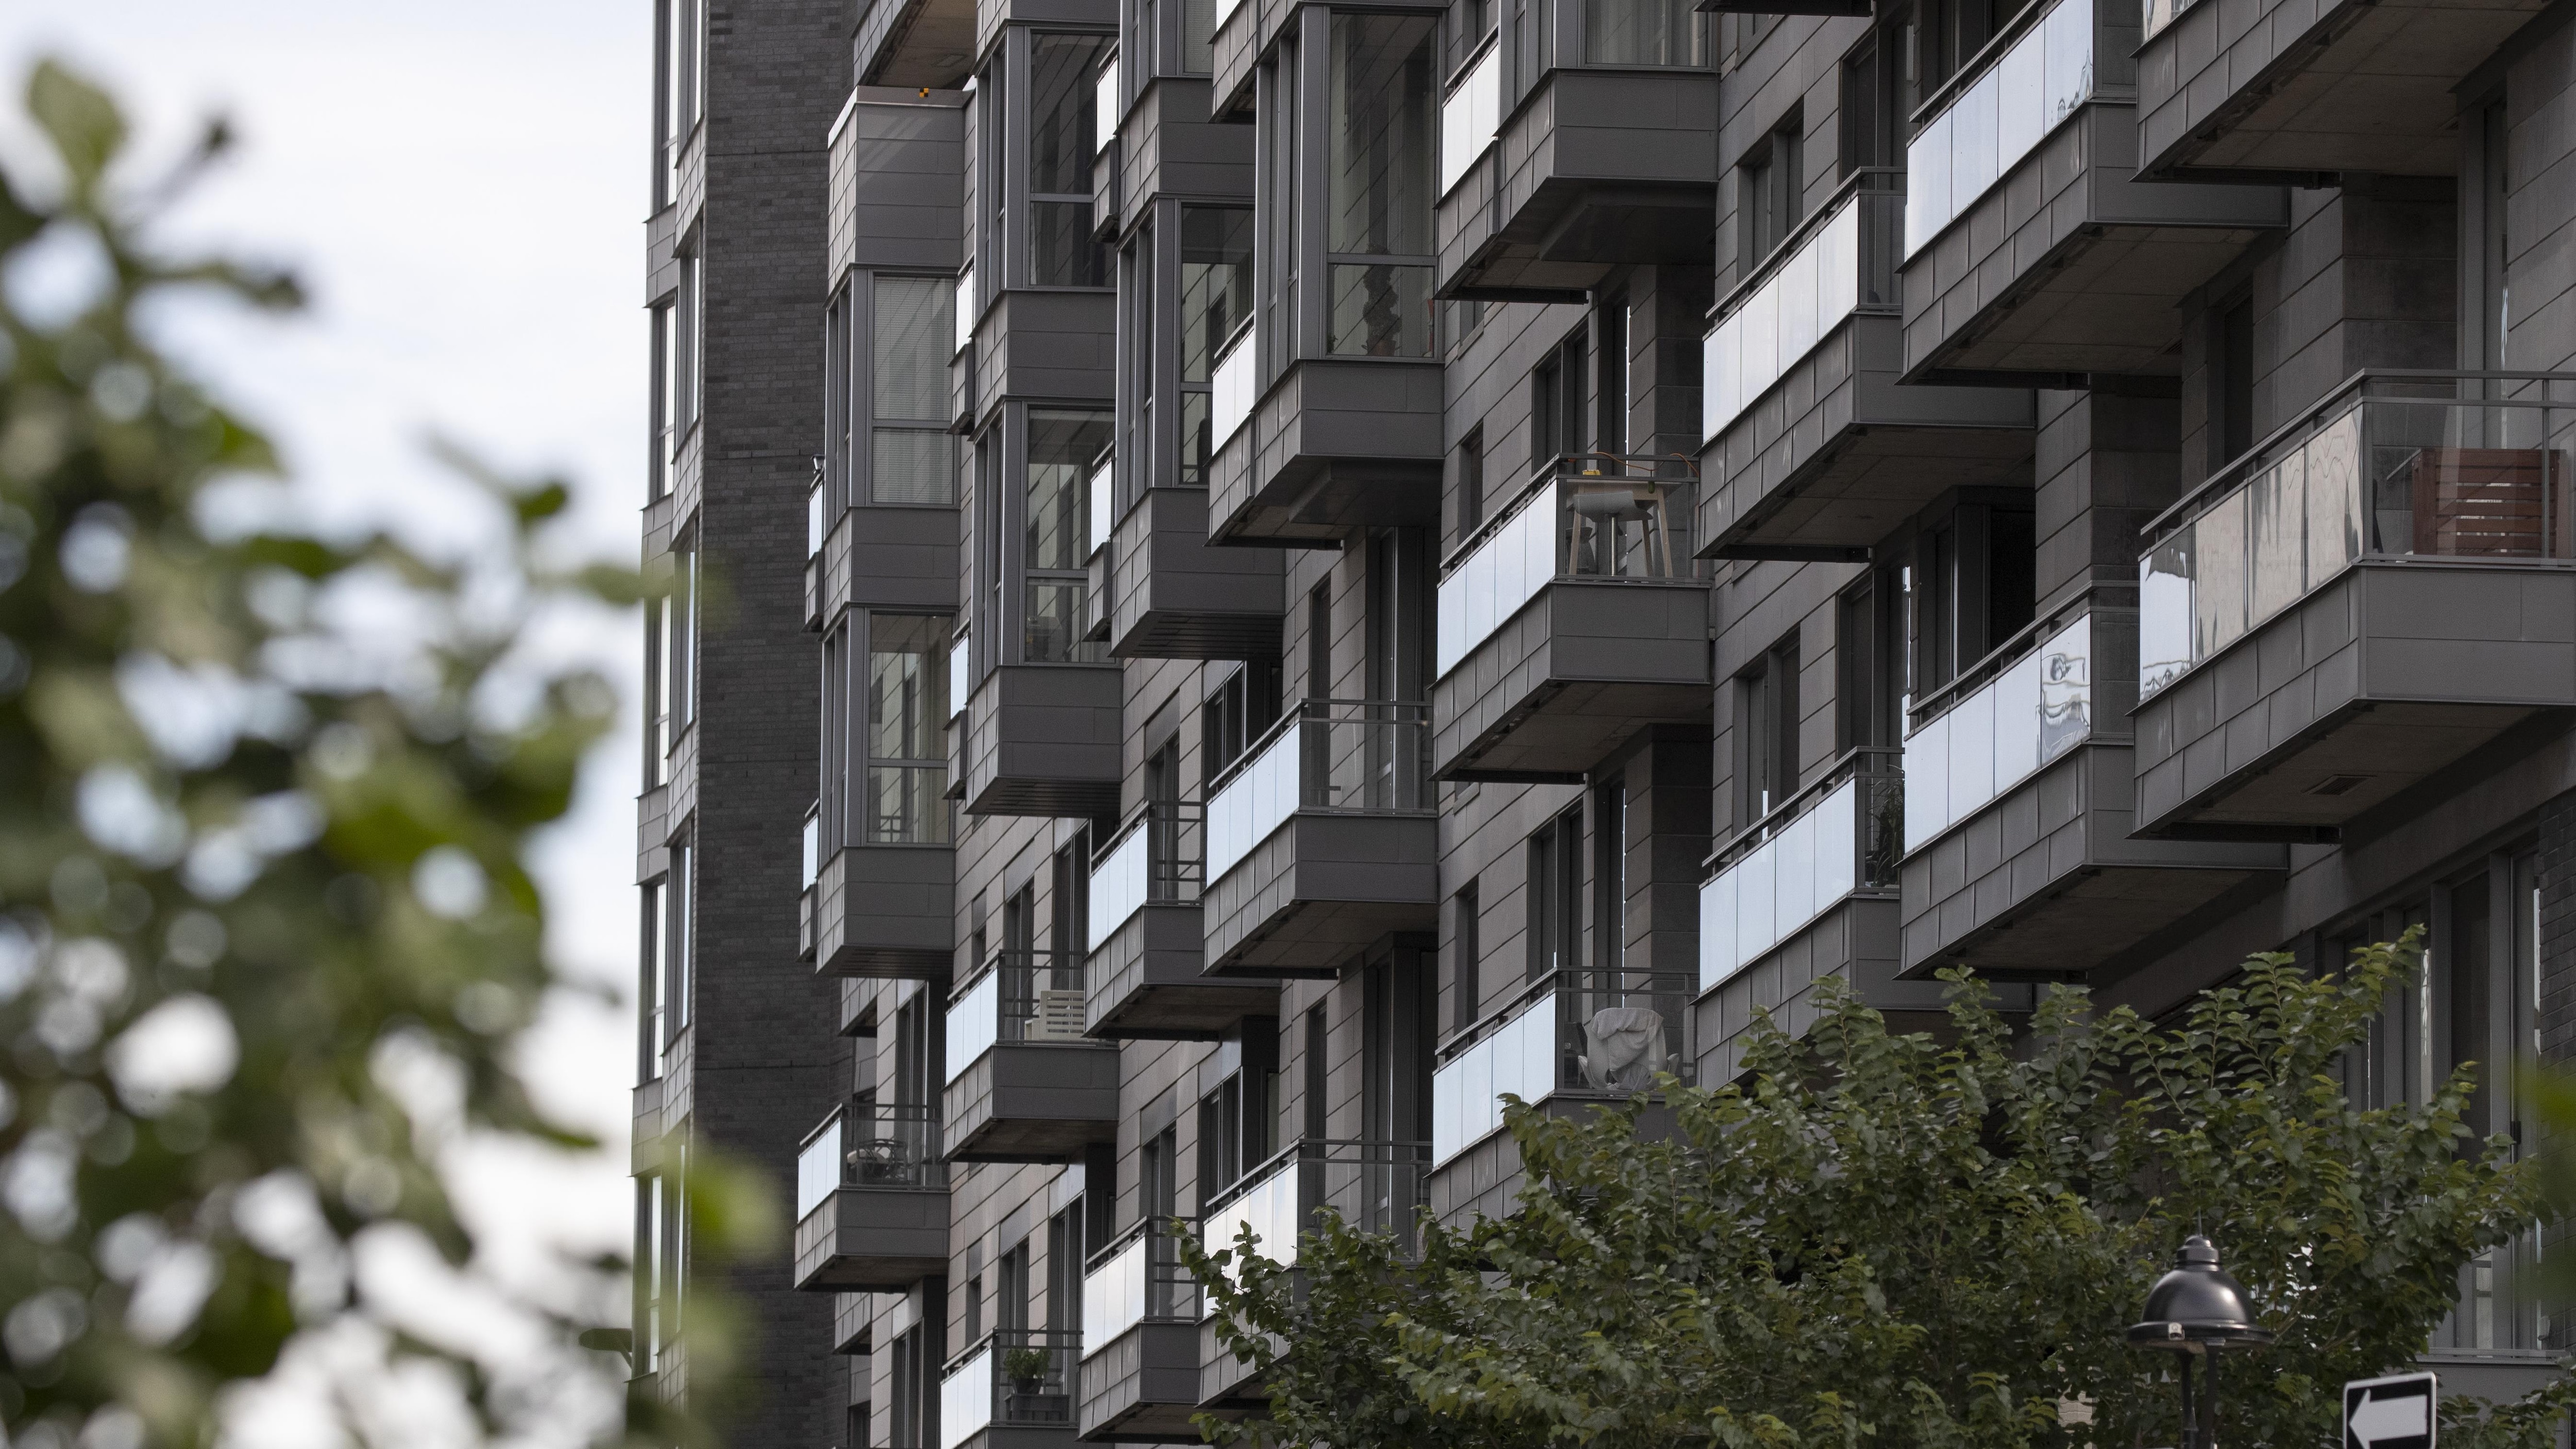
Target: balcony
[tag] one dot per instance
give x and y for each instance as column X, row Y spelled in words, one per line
column 1056, row 343
column 1140, row 1336
column 1373, row 1186
column 1570, row 1039
column 1571, row 620
column 1146, row 943
column 1042, row 739
column 2366, row 599
column 1171, row 147
column 1175, row 597
column 1322, row 839
column 1024, row 1083
column 2032, row 251
column 2019, row 797
column 887, row 911
column 1607, row 161
column 1333, row 444
column 905, row 557
column 871, row 1200
column 1012, row 1390
column 2298, row 90
column 1813, row 450
column 1806, row 892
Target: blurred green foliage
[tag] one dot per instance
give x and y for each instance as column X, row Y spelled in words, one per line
column 1922, row 1240
column 262, row 871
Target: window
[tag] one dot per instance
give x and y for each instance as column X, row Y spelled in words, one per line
column 1395, row 1084
column 1873, row 102
column 907, row 730
column 1556, row 895
column 670, row 665
column 1277, row 115
column 920, row 1044
column 916, row 1379
column 1238, row 711
column 2231, row 381
column 662, row 448
column 839, row 408
column 682, row 944
column 1063, row 446
column 1471, row 483
column 1064, row 1271
column 1465, row 953
column 912, row 458
column 1975, row 571
column 1063, row 70
column 687, row 379
column 1319, row 641
column 652, row 1228
column 1870, row 683
column 1642, row 32
column 1318, row 1114
column 648, row 1066
column 681, row 57
column 1216, row 302
column 1237, row 1122
column 1068, row 935
column 1379, row 185
column 1610, row 873
column 1610, row 385
column 1767, row 720
column 1949, row 35
column 1770, row 191
column 1140, row 350
column 1011, row 1306
column 1556, row 405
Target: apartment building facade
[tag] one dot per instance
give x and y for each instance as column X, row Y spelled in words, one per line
column 1304, row 566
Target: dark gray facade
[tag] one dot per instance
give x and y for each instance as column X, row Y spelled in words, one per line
column 1361, row 560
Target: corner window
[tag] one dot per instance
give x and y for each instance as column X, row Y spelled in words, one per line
column 1377, row 226
column 1063, row 71
column 1062, row 448
column 1216, row 302
column 912, row 457
column 889, row 738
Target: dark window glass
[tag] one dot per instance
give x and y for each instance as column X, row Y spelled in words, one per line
column 1380, row 184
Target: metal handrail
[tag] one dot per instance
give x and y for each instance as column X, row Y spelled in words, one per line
column 1369, row 1152
column 1301, row 710
column 1652, row 983
column 2005, row 655
column 1854, row 762
column 1548, row 472
column 1779, row 255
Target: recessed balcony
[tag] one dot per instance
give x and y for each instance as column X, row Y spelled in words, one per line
column 1331, row 445
column 1042, row 739
column 2032, row 251
column 1013, row 1389
column 1173, row 596
column 1140, row 1336
column 2365, row 600
column 871, row 1200
column 1322, row 839
column 2019, row 799
column 1814, row 451
column 1572, row 619
column 1571, row 1039
column 1374, row 1186
column 1147, row 946
column 2300, row 90
column 1024, row 1083
column 1601, row 164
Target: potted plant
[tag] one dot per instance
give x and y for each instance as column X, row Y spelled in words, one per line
column 1026, row 1368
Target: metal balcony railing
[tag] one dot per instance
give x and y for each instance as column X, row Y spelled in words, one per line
column 1010, row 1378
column 1374, row 1185
column 1839, row 262
column 1138, row 1278
column 1020, row 997
column 870, row 1144
column 1603, row 1033
column 1154, row 859
column 1842, row 835
column 1345, row 756
column 2456, row 466
column 1594, row 516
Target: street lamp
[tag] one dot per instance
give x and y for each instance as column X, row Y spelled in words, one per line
column 2195, row 1310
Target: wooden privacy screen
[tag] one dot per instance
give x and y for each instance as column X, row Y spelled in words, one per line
column 2490, row 503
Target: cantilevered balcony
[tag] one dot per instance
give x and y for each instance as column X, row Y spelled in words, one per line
column 1572, row 619
column 871, row 1200
column 1571, row 1039
column 2032, row 252
column 1173, row 596
column 1147, row 948
column 1372, row 1186
column 886, row 909
column 1024, row 1083
column 2299, row 90
column 1140, row 1338
column 2019, row 790
column 1042, row 739
column 1813, row 450
column 1330, row 445
column 1608, row 160
column 2359, row 603
column 1011, row 1389
column 1322, row 839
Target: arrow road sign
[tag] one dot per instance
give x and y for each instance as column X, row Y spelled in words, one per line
column 2390, row 1413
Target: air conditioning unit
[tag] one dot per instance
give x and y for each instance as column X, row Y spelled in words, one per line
column 1059, row 1017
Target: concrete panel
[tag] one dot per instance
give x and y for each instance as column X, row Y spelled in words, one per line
column 1174, row 596
column 1043, row 739
column 1572, row 676
column 887, row 911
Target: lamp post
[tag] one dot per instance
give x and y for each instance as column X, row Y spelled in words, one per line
column 2196, row 1311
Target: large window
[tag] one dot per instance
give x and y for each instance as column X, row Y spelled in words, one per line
column 1379, row 187
column 688, row 350
column 1063, row 446
column 911, row 455
column 1063, row 70
column 898, row 708
column 1216, row 302
column 670, row 664
column 1642, row 32
column 839, row 407
column 681, row 57
column 663, row 405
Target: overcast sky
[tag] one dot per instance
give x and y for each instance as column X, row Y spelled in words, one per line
column 462, row 188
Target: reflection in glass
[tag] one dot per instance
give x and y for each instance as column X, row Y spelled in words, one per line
column 1381, row 164
column 1061, row 250
column 1640, row 32
column 1198, row 440
column 1216, row 283
column 907, row 730
column 1198, row 36
column 1063, row 94
column 1380, row 310
column 912, row 458
column 1063, row 445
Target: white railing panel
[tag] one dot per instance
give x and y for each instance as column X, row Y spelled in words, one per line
column 1778, row 888
column 1467, row 1091
column 818, row 1170
column 1118, row 885
column 1798, row 306
column 961, row 675
column 1469, row 117
column 2000, row 735
column 1105, row 108
column 1504, row 573
column 966, row 308
column 974, row 1024
column 1269, row 1207
column 2000, row 118
column 1258, row 800
column 966, row 1400
column 1113, row 1296
column 1231, row 391
column 1103, row 505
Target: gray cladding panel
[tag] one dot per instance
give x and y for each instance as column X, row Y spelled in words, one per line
column 887, row 911
column 1148, row 982
column 1044, row 739
column 1319, row 888
column 907, row 184
column 1174, row 596
column 1173, row 149
column 892, row 557
column 1029, row 1102
column 1142, row 1386
column 1572, row 675
column 1046, row 346
column 882, row 1239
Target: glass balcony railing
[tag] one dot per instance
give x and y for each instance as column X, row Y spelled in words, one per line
column 1996, row 119
column 1139, row 1278
column 1019, row 998
column 1013, row 1378
column 1230, row 387
column 961, row 674
column 1153, row 860
column 813, row 843
column 1347, row 756
column 1103, row 515
column 1839, row 836
column 2155, row 15
column 1840, row 261
column 1575, row 522
column 1470, row 115
column 969, row 307
column 2037, row 705
column 1600, row 1033
column 870, row 1144
column 1375, row 1186
column 2471, row 467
